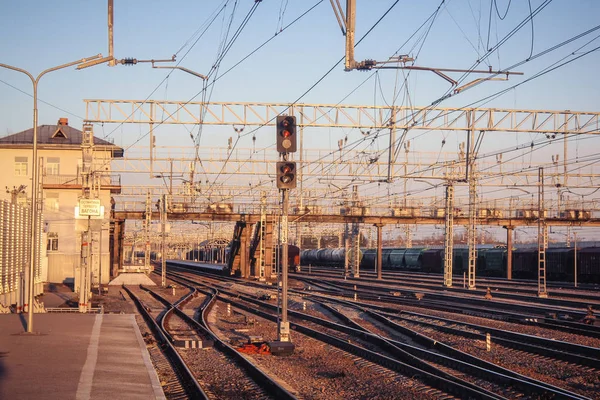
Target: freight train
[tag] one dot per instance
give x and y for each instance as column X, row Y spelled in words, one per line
column 491, row 261
column 221, row 255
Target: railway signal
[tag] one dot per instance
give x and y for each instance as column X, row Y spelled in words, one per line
column 286, row 175
column 286, row 134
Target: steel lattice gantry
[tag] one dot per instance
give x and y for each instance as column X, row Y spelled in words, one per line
column 373, row 118
column 343, row 116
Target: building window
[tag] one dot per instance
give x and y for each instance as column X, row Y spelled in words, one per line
column 20, row 166
column 52, row 241
column 51, row 201
column 52, row 165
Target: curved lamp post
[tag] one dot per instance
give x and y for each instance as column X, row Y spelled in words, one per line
column 35, row 176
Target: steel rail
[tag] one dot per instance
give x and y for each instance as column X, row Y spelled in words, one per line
column 186, row 377
column 566, row 351
column 455, row 386
column 427, row 378
column 455, row 359
column 474, row 308
column 570, row 352
column 258, row 376
column 434, row 295
column 529, row 384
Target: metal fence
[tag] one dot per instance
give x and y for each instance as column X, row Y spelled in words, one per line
column 15, row 253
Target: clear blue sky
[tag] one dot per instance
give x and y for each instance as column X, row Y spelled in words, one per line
column 40, row 34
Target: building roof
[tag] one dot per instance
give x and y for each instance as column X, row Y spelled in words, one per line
column 50, row 136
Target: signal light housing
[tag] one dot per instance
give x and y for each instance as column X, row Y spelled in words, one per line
column 286, row 175
column 286, row 134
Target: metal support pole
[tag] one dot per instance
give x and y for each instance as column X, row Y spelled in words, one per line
column 35, row 181
column 355, row 250
column 284, row 325
column 111, row 53
column 350, row 20
column 147, row 233
column 392, row 149
column 509, row 245
column 83, row 270
column 379, row 250
column 163, row 223
column 346, row 252
column 262, row 237
column 449, row 234
column 542, row 237
column 575, row 258
column 472, row 229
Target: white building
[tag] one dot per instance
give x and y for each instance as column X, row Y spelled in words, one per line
column 61, row 160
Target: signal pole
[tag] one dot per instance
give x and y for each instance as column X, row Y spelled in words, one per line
column 163, row 223
column 286, row 180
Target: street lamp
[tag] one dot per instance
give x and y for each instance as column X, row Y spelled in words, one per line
column 35, row 177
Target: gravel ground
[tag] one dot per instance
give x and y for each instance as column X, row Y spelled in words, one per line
column 317, row 370
column 320, row 371
column 507, row 326
column 582, row 380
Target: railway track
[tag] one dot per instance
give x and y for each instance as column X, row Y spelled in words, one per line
column 524, row 314
column 506, row 385
column 434, row 385
column 182, row 383
column 513, row 311
column 243, row 379
column 541, row 356
column 519, row 290
column 478, row 372
column 559, row 350
column 499, row 385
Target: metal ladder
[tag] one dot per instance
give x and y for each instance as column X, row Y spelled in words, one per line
column 472, row 231
column 262, row 237
column 542, row 238
column 449, row 234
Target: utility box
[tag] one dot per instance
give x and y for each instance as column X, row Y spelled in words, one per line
column 279, row 348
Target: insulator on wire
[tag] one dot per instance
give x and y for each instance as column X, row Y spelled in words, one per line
column 129, row 61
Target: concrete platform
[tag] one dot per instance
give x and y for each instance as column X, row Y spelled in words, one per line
column 74, row 356
column 132, row 278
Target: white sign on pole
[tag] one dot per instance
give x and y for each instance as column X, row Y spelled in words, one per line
column 89, row 208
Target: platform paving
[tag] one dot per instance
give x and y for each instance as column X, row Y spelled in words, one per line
column 75, row 356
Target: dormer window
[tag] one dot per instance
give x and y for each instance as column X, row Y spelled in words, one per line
column 60, row 133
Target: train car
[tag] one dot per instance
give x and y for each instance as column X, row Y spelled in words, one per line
column 588, row 265
column 432, row 261
column 216, row 269
column 493, row 263
column 325, row 259
column 559, row 264
column 413, row 259
column 369, row 259
column 308, row 257
column 338, row 256
column 395, row 259
column 524, row 265
column 385, row 258
column 460, row 261
column 293, row 255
